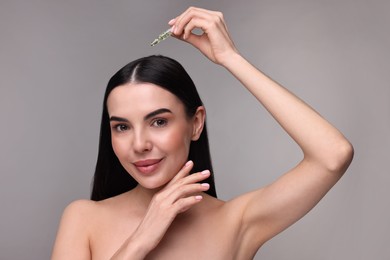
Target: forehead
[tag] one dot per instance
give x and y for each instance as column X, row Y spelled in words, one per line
column 142, row 98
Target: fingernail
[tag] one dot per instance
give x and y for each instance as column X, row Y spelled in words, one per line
column 205, row 172
column 206, row 185
column 198, row 197
column 171, row 21
column 188, row 163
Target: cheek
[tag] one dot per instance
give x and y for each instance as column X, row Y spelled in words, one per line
column 175, row 145
column 176, row 141
column 118, row 147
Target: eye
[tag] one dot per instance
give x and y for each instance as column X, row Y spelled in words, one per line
column 160, row 122
column 120, row 127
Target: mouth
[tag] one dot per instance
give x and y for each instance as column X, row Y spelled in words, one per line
column 147, row 166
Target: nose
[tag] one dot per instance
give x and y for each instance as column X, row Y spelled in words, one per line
column 141, row 142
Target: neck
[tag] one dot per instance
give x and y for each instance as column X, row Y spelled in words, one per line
column 143, row 196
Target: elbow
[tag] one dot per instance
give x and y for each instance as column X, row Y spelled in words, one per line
column 341, row 157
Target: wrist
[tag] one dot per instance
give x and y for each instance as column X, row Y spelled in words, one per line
column 131, row 249
column 230, row 59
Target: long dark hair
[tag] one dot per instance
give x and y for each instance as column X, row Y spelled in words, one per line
column 110, row 177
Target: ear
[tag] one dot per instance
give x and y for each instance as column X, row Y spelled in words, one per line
column 198, row 123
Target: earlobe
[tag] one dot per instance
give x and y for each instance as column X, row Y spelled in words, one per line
column 198, row 123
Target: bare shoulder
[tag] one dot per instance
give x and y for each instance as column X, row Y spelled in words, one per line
column 84, row 207
column 84, row 211
column 72, row 240
column 79, row 211
column 80, row 206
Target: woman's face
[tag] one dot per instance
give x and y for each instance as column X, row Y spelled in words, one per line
column 150, row 131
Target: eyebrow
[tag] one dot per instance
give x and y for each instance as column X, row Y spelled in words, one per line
column 148, row 116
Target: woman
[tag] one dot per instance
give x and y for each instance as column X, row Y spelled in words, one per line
column 169, row 213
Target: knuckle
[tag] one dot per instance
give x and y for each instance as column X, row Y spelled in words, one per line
column 183, row 204
column 180, row 182
column 158, row 197
column 180, row 203
column 181, row 189
column 191, row 9
column 214, row 22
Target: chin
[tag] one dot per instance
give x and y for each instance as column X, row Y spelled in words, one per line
column 152, row 182
column 152, row 186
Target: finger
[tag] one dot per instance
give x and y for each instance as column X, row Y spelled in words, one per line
column 188, row 190
column 193, row 178
column 175, row 193
column 207, row 22
column 191, row 25
column 184, row 171
column 186, row 187
column 183, row 19
column 172, row 22
column 186, row 203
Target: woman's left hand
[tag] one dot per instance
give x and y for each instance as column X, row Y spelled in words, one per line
column 215, row 42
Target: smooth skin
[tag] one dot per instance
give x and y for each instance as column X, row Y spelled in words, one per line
column 177, row 220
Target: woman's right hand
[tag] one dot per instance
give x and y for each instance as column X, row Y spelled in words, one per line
column 215, row 42
column 179, row 195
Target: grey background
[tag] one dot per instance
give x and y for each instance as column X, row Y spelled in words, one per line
column 57, row 56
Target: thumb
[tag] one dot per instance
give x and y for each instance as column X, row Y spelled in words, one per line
column 193, row 39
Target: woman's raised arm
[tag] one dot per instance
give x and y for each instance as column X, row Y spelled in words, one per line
column 326, row 152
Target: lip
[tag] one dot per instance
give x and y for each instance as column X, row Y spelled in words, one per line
column 147, row 166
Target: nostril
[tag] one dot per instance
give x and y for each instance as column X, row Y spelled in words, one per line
column 142, row 146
